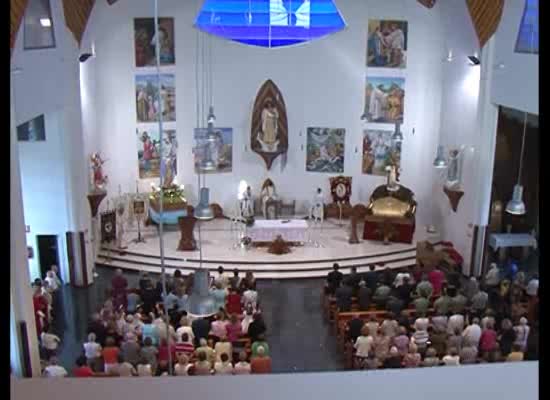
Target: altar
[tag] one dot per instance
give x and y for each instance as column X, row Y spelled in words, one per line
column 293, row 230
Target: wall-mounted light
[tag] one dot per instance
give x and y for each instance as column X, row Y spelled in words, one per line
column 46, row 22
column 474, row 60
column 84, row 56
column 449, row 57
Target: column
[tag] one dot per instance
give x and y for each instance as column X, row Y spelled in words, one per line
column 21, row 308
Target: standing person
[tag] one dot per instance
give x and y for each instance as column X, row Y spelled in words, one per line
column 522, row 333
column 472, row 334
column 371, row 277
column 257, row 327
column 424, row 287
column 381, row 295
column 235, row 281
column 49, row 342
column 507, row 337
column 219, row 325
column 355, row 325
column 233, row 329
column 92, row 351
column 110, row 355
column 54, row 370
column 201, row 329
column 363, row 345
column 40, row 308
column 242, row 367
column 344, row 296
column 455, row 340
column 436, row 278
column 222, row 279
column 130, row 349
column 334, row 278
column 233, row 302
column 150, row 330
column 479, row 302
column 259, row 343
column 224, row 366
column 185, row 346
column 124, row 368
column 218, row 293
column 250, row 296
column 82, row 370
column 261, row 364
column 202, row 365
column 492, row 277
column 149, row 354
column 249, row 282
column 488, row 340
column 443, row 303
column 119, row 285
column 363, row 296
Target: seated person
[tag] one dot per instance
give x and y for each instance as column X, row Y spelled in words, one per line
column 202, row 365
column 261, row 364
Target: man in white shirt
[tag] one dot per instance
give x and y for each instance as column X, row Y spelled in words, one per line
column 492, row 278
column 53, row 370
column 242, row 367
column 185, row 327
column 222, row 278
column 364, row 343
column 533, row 286
column 223, row 367
column 456, row 321
column 472, row 334
column 52, row 280
column 49, row 343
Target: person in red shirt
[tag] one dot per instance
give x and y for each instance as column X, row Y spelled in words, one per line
column 261, row 364
column 184, row 347
column 110, row 355
column 233, row 329
column 40, row 308
column 488, row 340
column 82, row 369
column 163, row 355
column 233, row 302
column 436, row 278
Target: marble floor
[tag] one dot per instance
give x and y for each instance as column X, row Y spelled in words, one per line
column 299, row 338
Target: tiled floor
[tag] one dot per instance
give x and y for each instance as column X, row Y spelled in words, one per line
column 299, row 338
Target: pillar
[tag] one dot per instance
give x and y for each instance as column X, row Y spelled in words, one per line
column 21, row 307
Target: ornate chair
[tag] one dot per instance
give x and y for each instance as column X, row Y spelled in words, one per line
column 390, row 215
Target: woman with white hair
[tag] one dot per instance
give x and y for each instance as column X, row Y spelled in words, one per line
column 522, row 333
column 92, row 351
column 492, row 277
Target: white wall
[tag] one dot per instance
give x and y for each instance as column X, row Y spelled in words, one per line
column 48, row 83
column 459, row 124
column 44, row 190
column 322, row 84
column 517, row 84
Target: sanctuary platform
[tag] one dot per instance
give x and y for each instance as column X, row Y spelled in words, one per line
column 307, row 261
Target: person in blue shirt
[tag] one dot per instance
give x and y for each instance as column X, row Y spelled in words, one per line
column 149, row 330
column 170, row 301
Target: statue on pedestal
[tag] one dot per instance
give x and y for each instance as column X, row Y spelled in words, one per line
column 268, row 194
column 393, row 178
column 318, row 206
column 246, row 204
column 99, row 180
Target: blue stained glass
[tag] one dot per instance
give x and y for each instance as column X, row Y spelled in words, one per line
column 528, row 36
column 270, row 23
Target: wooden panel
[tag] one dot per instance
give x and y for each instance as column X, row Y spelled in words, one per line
column 25, row 350
column 77, row 13
column 17, row 10
column 486, row 15
column 83, row 262
column 70, row 256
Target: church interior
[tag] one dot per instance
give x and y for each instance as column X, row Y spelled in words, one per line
column 269, row 187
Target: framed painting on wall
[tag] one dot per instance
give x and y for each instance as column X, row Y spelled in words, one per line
column 147, row 103
column 325, row 150
column 148, row 149
column 387, row 44
column 32, row 131
column 379, row 151
column 220, row 151
column 145, row 42
column 384, row 100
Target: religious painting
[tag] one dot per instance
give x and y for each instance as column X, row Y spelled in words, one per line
column 148, row 149
column 145, row 42
column 32, row 131
column 384, row 100
column 380, row 151
column 218, row 151
column 147, row 99
column 387, row 44
column 269, row 134
column 325, row 150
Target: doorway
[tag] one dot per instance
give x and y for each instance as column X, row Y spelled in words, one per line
column 47, row 253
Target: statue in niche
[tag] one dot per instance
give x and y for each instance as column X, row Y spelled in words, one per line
column 269, row 131
column 453, row 175
column 99, row 180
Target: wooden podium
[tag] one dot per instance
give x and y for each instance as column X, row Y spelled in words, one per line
column 187, row 240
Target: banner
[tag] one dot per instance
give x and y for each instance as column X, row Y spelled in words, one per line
column 108, row 226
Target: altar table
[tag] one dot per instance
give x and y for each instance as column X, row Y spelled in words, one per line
column 294, row 230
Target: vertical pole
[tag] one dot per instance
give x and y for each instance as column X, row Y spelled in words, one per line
column 161, row 198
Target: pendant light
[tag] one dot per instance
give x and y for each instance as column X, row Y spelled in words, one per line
column 516, row 206
column 440, row 161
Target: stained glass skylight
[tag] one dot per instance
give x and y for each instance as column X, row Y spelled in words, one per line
column 270, row 23
column 528, row 36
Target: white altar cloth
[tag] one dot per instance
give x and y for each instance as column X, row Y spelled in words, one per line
column 294, row 230
column 499, row 240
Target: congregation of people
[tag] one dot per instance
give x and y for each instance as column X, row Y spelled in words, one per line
column 142, row 332
column 432, row 317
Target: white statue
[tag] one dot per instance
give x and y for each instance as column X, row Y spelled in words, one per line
column 392, row 184
column 453, row 175
column 268, row 193
column 318, row 206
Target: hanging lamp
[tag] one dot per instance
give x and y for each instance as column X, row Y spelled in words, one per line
column 440, row 160
column 516, row 206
